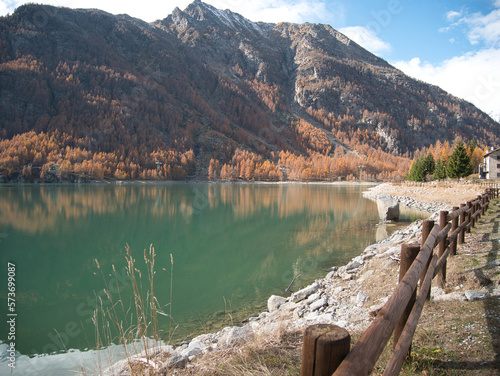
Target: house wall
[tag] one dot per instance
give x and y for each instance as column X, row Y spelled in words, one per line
column 493, row 165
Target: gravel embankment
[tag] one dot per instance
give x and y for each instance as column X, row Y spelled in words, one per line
column 345, row 297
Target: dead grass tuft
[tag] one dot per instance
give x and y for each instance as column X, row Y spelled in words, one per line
column 265, row 355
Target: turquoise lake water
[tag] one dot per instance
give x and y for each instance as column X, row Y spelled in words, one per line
column 232, row 246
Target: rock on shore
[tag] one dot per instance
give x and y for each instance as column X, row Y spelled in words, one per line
column 388, row 208
column 345, row 297
column 377, row 193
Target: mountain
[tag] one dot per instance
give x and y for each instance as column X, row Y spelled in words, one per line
column 208, row 93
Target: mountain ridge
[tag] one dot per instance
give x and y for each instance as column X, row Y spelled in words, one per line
column 217, row 86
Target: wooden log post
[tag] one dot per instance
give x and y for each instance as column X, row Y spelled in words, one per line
column 469, row 215
column 427, row 226
column 441, row 277
column 479, row 208
column 395, row 364
column 473, row 218
column 461, row 236
column 325, row 346
column 365, row 353
column 409, row 253
column 454, row 226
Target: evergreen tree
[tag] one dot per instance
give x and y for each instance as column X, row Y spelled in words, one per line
column 471, row 146
column 429, row 164
column 459, row 163
column 440, row 170
column 417, row 171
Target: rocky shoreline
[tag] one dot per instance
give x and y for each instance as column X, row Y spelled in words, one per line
column 348, row 296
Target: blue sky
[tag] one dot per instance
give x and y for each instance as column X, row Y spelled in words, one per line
column 452, row 44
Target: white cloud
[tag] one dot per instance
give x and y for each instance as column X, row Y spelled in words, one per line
column 480, row 28
column 484, row 28
column 367, row 39
column 453, row 15
column 282, row 10
column 474, row 77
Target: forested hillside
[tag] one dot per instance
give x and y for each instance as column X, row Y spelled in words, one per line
column 206, row 93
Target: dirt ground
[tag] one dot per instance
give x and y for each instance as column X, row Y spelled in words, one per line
column 463, row 337
column 451, row 193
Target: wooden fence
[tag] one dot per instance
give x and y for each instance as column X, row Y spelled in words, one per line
column 326, row 348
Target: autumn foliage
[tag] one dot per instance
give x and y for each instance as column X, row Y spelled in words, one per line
column 91, row 96
column 60, row 157
column 440, row 160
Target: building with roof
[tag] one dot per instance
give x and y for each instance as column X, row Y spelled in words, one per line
column 490, row 168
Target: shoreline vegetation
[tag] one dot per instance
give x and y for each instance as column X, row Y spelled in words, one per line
column 347, row 296
column 38, row 158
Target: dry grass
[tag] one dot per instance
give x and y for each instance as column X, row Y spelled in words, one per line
column 462, row 337
column 276, row 354
column 115, row 322
column 452, row 338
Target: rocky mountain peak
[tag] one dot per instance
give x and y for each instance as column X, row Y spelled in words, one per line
column 214, row 82
column 202, row 16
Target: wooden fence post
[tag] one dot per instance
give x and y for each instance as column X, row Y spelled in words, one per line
column 473, row 219
column 469, row 216
column 324, row 347
column 441, row 277
column 479, row 208
column 461, row 236
column 454, row 226
column 427, row 226
column 409, row 253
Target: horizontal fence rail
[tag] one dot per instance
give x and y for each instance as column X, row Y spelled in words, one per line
column 401, row 313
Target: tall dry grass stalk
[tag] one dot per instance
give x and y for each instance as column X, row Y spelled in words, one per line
column 114, row 323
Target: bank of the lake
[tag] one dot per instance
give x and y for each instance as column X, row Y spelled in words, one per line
column 345, row 296
column 233, row 245
column 472, row 329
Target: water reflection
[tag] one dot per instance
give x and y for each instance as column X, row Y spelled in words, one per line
column 233, row 245
column 407, row 215
column 40, row 208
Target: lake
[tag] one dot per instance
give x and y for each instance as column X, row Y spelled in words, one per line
column 221, row 250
